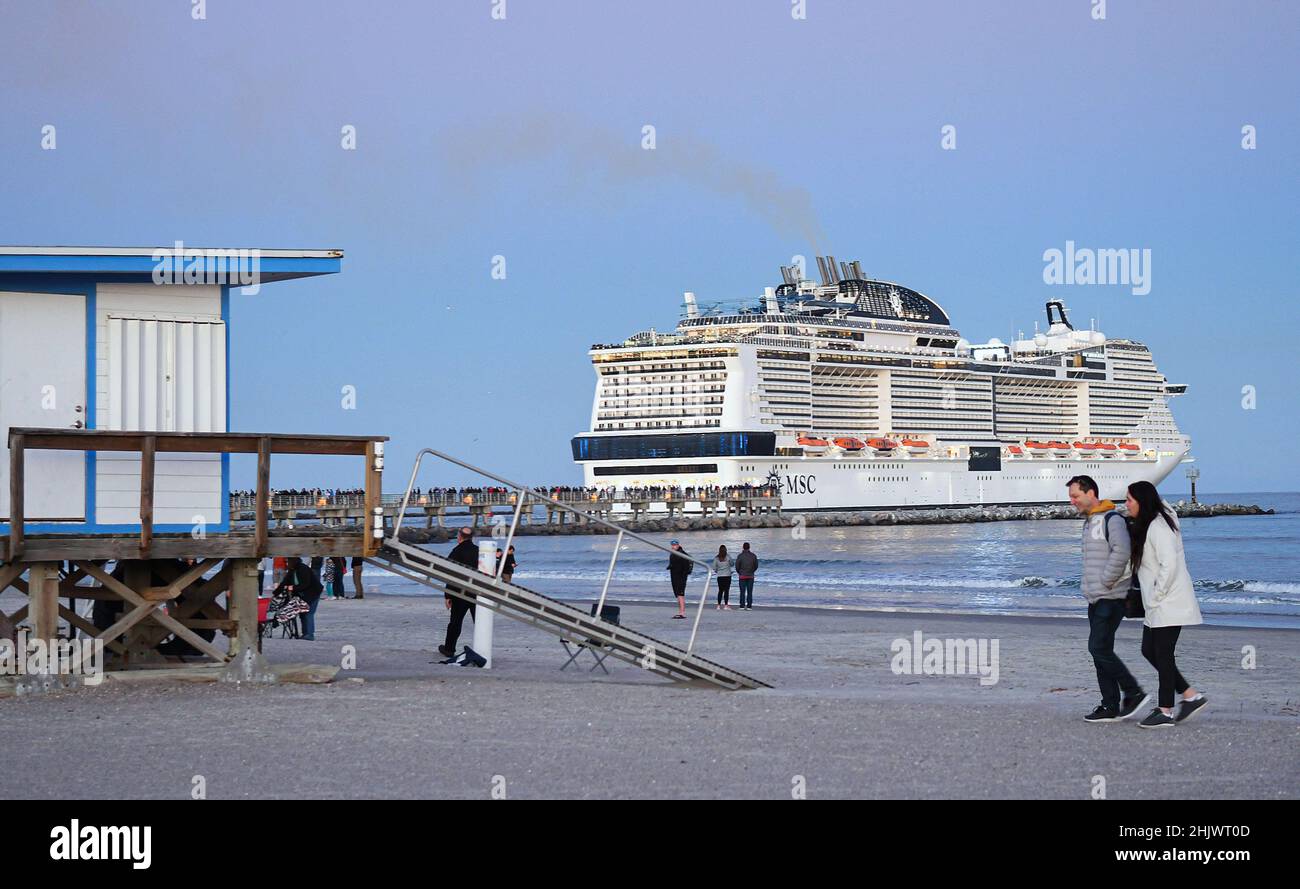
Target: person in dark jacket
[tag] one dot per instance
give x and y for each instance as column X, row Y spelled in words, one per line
column 746, row 568
column 357, row 563
column 464, row 553
column 679, row 568
column 340, row 571
column 301, row 581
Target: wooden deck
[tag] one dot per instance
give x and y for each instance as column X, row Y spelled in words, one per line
column 167, row 587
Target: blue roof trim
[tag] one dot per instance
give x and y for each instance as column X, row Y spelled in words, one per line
column 136, row 265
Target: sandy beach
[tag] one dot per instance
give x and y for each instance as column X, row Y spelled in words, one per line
column 839, row 722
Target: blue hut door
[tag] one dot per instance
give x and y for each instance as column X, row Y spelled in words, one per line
column 43, row 383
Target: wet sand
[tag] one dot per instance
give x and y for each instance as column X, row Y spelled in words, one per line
column 839, row 722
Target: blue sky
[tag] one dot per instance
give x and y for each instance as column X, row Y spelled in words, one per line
column 478, row 137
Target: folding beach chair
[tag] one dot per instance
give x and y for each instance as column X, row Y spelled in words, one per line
column 609, row 613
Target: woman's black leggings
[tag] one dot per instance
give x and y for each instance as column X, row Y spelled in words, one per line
column 1158, row 648
column 724, row 590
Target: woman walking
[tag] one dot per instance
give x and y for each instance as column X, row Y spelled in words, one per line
column 722, row 567
column 1167, row 597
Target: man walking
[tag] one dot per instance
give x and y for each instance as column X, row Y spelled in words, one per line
column 1105, row 584
column 464, row 553
column 746, row 568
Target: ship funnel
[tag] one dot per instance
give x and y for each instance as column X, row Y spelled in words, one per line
column 834, row 272
column 787, row 275
column 857, row 271
column 821, row 270
column 846, row 271
column 692, row 309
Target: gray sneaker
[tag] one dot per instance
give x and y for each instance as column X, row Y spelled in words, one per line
column 1157, row 719
column 1190, row 709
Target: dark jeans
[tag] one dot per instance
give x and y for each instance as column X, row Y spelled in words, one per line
column 746, row 585
column 1104, row 617
column 459, row 608
column 309, row 619
column 1158, row 648
column 724, row 590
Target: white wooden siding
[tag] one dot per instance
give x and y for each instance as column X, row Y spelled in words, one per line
column 160, row 365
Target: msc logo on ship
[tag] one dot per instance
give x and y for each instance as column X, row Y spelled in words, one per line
column 792, row 484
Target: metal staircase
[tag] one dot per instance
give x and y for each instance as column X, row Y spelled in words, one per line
column 553, row 616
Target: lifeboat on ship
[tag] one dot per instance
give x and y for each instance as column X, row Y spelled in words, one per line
column 1038, row 448
column 882, row 445
column 847, row 443
column 1060, row 449
column 1085, row 448
column 1105, row 449
column 915, row 446
column 812, row 445
column 1015, row 451
column 1128, row 449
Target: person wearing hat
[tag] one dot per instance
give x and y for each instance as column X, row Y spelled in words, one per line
column 679, row 568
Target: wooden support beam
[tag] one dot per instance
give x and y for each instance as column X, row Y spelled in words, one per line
column 10, row 573
column 43, row 599
column 148, row 609
column 16, row 452
column 371, row 484
column 149, row 448
column 88, row 628
column 242, row 602
column 262, row 499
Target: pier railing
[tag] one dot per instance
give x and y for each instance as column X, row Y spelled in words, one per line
column 523, row 494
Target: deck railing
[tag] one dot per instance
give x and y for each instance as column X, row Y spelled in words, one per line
column 149, row 444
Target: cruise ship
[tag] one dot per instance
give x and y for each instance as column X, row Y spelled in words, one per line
column 854, row 393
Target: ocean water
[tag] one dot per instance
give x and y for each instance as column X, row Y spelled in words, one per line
column 1246, row 568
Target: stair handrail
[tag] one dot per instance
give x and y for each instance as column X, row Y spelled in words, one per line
column 524, row 493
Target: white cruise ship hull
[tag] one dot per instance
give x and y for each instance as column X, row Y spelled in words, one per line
column 810, row 484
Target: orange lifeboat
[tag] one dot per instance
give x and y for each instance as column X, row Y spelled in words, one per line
column 1105, row 449
column 1128, row 449
column 849, row 444
column 1016, row 450
column 1038, row 448
column 1059, row 448
column 812, row 445
column 1087, row 449
column 916, row 446
column 882, row 445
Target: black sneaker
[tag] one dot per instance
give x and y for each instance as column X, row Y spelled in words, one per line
column 1156, row 719
column 1190, row 708
column 1129, row 706
column 1103, row 714
column 445, row 651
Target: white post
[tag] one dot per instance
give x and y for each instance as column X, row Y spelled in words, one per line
column 487, row 564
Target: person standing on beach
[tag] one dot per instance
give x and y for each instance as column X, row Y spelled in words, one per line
column 1168, row 598
column 509, row 570
column 340, row 571
column 746, row 568
column 722, row 565
column 357, row 562
column 679, row 568
column 1105, row 584
column 464, row 553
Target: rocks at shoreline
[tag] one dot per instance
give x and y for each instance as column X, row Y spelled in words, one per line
column 965, row 515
